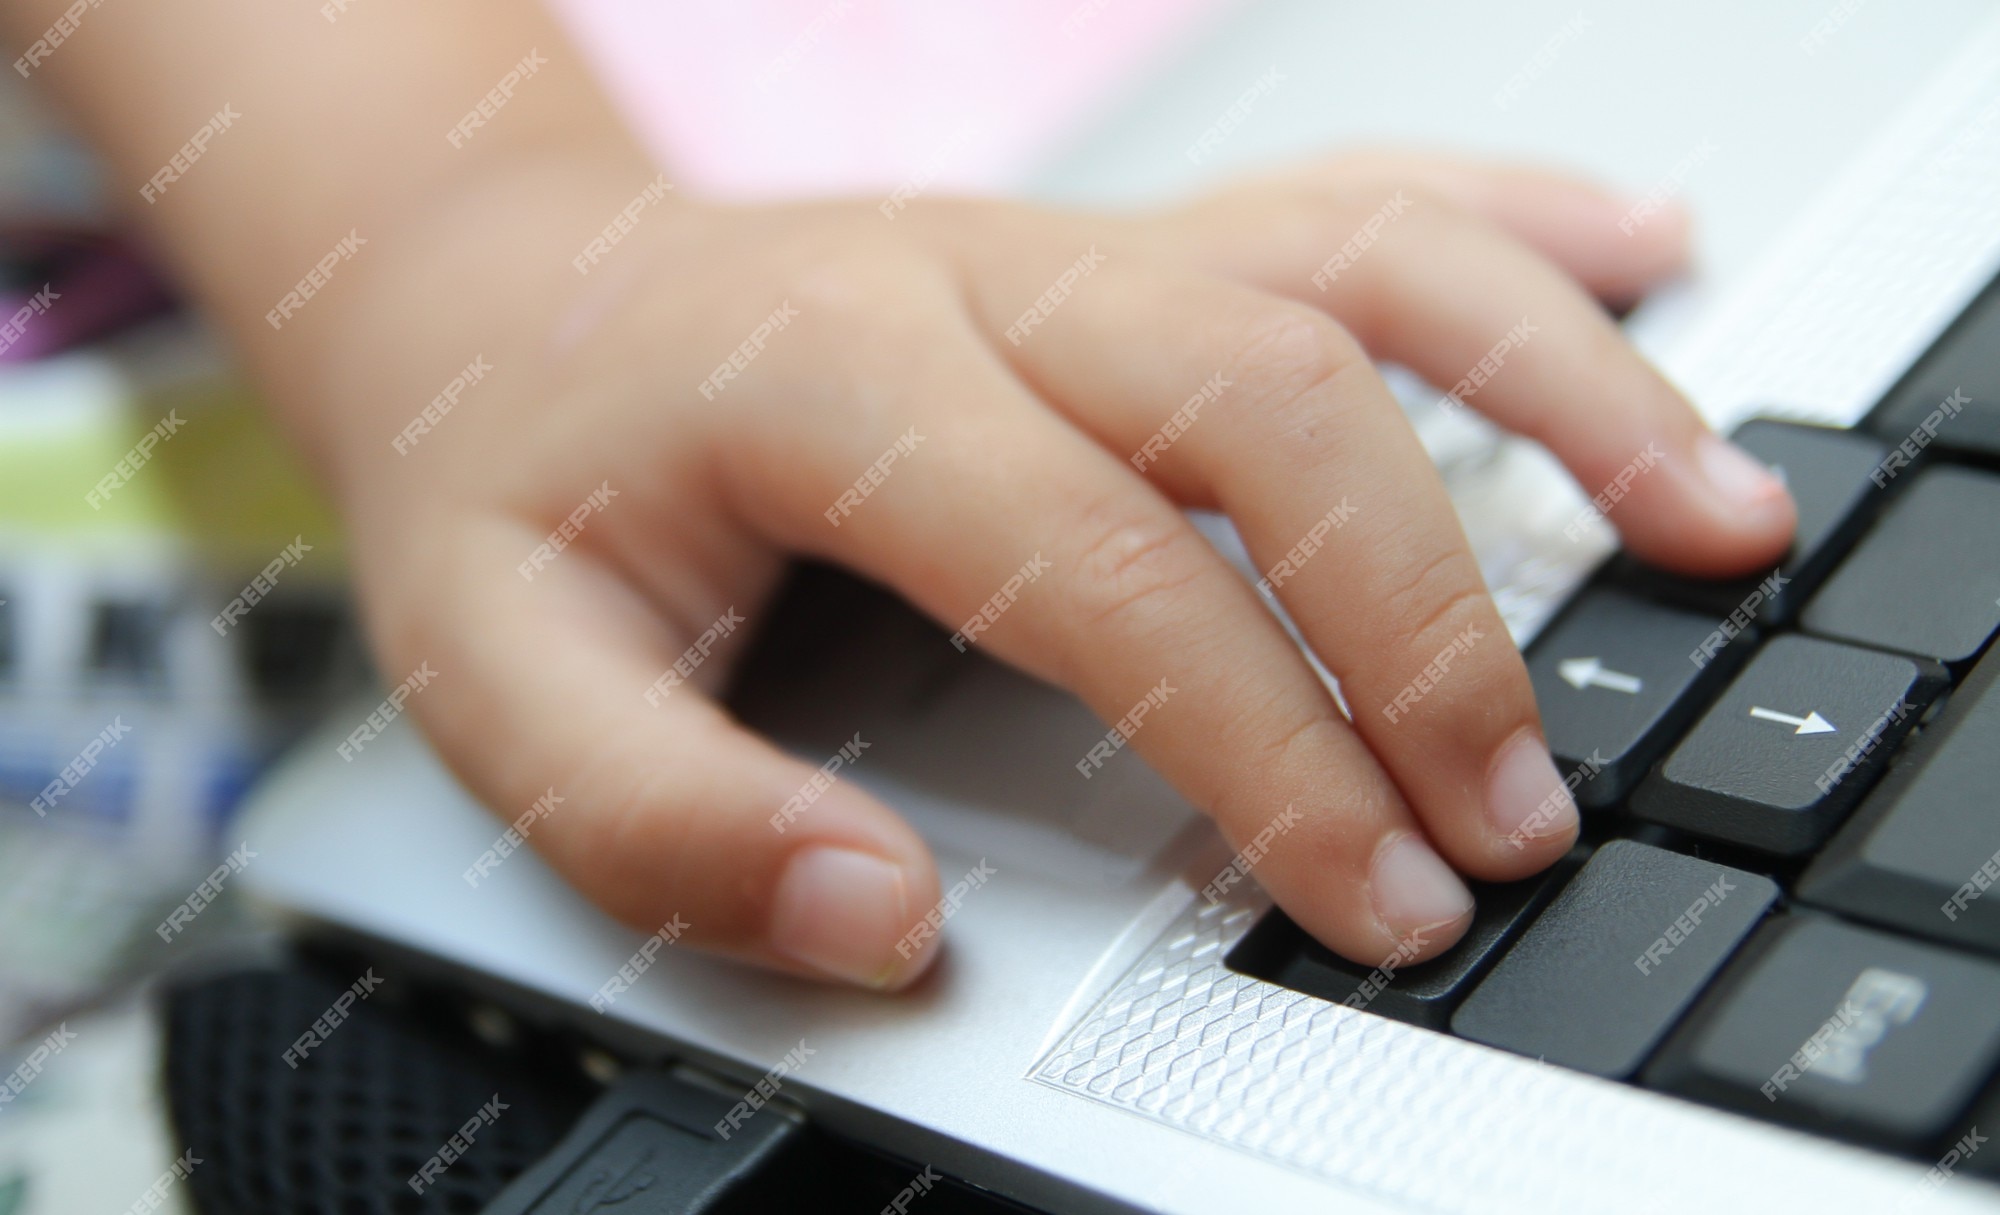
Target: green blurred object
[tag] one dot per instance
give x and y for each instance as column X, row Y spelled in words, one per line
column 220, row 479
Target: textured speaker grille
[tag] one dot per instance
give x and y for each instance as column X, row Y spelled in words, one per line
column 343, row 1132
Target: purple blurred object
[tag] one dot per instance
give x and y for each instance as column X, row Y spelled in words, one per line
column 58, row 290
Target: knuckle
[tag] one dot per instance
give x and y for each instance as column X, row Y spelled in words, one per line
column 1446, row 655
column 1288, row 357
column 635, row 830
column 840, row 276
column 1348, row 811
column 1334, row 205
column 836, row 293
column 1438, row 603
column 1424, row 204
column 1310, row 738
column 1133, row 564
column 1375, row 284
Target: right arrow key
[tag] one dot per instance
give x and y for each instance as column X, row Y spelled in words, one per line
column 1782, row 756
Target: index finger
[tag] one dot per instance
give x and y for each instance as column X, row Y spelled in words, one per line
column 1307, row 452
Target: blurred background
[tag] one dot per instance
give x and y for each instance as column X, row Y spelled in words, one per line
column 141, row 488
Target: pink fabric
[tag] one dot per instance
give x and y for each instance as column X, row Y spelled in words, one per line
column 769, row 98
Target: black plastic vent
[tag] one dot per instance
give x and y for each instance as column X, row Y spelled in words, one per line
column 343, row 1133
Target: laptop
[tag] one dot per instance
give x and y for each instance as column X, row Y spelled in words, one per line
column 1767, row 979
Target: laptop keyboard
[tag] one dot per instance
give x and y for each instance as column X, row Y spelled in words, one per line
column 1783, row 902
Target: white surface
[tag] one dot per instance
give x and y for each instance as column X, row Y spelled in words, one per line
column 1638, row 89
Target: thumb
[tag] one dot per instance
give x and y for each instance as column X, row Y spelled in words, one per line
column 669, row 808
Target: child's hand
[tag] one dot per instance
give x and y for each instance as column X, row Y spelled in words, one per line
column 1015, row 396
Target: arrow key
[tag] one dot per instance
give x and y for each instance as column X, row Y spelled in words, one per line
column 1616, row 678
column 1784, row 753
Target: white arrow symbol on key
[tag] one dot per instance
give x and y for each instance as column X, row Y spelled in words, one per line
column 1589, row 673
column 1811, row 723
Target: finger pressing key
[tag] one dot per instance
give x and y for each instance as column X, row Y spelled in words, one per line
column 1142, row 619
column 1335, row 498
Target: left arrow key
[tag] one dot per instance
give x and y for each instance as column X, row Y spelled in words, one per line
column 1616, row 681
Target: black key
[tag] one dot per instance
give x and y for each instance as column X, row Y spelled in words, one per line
column 1604, row 973
column 1789, row 748
column 1963, row 1152
column 1616, row 678
column 1845, row 1030
column 1925, row 845
column 1926, row 579
column 1965, row 362
column 1279, row 951
column 1833, row 478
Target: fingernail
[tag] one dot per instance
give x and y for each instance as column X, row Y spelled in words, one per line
column 841, row 912
column 1737, row 475
column 1525, row 798
column 1414, row 890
